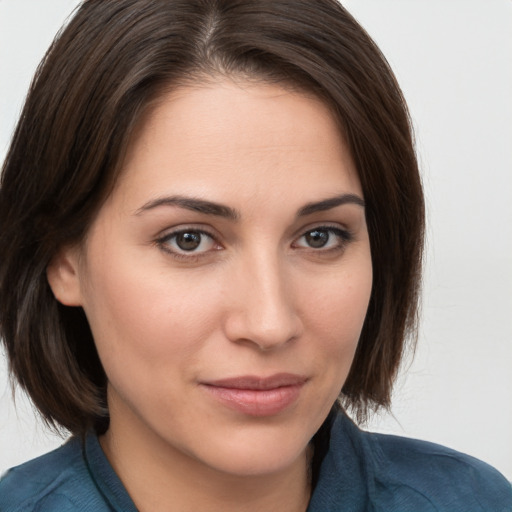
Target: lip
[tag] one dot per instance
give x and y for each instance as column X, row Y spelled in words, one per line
column 257, row 396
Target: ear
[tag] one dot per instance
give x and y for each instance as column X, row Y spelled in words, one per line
column 63, row 276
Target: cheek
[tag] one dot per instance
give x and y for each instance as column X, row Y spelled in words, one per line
column 141, row 315
column 334, row 309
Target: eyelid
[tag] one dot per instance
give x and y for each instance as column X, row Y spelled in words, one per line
column 180, row 228
column 334, row 226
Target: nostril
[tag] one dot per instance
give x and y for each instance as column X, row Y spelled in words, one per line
column 271, row 328
column 267, row 326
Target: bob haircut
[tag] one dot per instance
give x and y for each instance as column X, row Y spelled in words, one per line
column 104, row 70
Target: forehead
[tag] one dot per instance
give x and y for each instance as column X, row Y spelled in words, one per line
column 252, row 137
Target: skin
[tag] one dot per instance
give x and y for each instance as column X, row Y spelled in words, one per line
column 255, row 297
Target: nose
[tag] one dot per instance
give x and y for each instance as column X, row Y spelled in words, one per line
column 262, row 310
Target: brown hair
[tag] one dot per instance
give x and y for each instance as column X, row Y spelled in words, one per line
column 89, row 92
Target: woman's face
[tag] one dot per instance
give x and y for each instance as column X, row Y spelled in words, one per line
column 227, row 277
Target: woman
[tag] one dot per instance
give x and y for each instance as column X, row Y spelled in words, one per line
column 211, row 225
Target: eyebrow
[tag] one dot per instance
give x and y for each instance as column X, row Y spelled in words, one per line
column 328, row 204
column 191, row 203
column 220, row 210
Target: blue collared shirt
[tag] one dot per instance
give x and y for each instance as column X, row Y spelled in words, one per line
column 360, row 472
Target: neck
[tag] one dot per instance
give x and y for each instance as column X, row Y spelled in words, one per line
column 161, row 478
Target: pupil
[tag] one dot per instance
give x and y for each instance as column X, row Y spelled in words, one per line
column 188, row 241
column 317, row 238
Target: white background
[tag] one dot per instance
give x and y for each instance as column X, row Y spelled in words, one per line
column 453, row 59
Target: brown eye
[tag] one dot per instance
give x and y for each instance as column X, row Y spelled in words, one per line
column 317, row 238
column 323, row 238
column 188, row 241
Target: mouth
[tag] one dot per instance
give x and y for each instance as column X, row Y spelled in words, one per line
column 257, row 396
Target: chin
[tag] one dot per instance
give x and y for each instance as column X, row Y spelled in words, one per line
column 257, row 453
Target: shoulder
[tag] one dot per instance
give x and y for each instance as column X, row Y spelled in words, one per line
column 414, row 472
column 364, row 471
column 58, row 480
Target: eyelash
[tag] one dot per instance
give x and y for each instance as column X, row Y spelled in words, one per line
column 344, row 237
